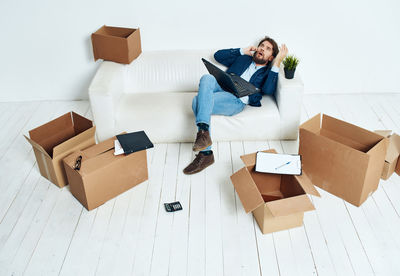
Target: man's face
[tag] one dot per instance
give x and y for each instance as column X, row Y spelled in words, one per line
column 263, row 53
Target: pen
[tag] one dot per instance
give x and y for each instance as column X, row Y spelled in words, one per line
column 282, row 165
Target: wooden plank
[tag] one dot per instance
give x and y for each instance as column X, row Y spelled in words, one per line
column 146, row 235
column 197, row 229
column 34, row 232
column 247, row 234
column 284, row 250
column 56, row 236
column 15, row 124
column 162, row 242
column 299, row 238
column 230, row 231
column 17, row 233
column 178, row 256
column 130, row 234
column 213, row 220
column 265, row 243
column 75, row 255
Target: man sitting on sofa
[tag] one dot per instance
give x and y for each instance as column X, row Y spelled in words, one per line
column 212, row 99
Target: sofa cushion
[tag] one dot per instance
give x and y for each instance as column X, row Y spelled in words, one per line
column 167, row 71
column 171, row 116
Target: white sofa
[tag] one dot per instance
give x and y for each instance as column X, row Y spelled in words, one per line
column 154, row 93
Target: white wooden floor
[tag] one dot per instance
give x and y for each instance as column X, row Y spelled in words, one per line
column 45, row 231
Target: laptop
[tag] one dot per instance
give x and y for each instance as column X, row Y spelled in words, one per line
column 230, row 82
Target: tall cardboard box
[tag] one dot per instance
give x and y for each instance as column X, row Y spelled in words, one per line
column 342, row 158
column 103, row 175
column 116, row 44
column 56, row 139
column 277, row 201
column 392, row 154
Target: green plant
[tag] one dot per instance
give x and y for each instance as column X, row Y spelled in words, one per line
column 290, row 62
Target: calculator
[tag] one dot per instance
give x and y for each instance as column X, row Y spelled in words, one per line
column 172, row 207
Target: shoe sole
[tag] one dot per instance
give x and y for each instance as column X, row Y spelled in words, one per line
column 196, row 150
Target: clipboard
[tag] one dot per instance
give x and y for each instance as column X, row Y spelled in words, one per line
column 278, row 163
column 134, row 141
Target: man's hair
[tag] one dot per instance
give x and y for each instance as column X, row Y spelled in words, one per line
column 275, row 49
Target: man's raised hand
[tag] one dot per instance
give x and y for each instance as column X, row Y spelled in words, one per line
column 248, row 51
column 283, row 50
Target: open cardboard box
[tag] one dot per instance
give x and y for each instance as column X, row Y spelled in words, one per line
column 392, row 154
column 56, row 139
column 277, row 201
column 342, row 158
column 116, row 44
column 103, row 175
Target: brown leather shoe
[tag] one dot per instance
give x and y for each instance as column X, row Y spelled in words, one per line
column 203, row 140
column 199, row 163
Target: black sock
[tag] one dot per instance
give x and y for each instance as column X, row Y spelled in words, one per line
column 202, row 126
column 206, row 152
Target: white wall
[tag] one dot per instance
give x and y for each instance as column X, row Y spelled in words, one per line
column 344, row 46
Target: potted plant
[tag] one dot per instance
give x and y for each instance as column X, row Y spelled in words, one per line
column 290, row 63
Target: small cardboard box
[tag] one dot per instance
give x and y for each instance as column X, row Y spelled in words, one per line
column 342, row 158
column 116, row 44
column 103, row 175
column 56, row 139
column 392, row 154
column 277, row 201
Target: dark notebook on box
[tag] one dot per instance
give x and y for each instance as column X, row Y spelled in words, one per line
column 134, row 141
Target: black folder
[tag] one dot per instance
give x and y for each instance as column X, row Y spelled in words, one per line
column 134, row 141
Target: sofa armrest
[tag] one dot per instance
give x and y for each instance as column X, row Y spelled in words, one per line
column 288, row 97
column 105, row 91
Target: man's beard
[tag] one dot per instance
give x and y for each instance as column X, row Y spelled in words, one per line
column 258, row 60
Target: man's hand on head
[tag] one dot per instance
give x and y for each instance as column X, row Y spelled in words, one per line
column 283, row 50
column 249, row 50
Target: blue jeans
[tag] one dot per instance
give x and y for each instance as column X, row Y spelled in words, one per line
column 213, row 100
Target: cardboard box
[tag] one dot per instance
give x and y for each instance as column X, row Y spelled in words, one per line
column 103, row 175
column 54, row 140
column 116, row 44
column 277, row 201
column 342, row 158
column 392, row 154
column 397, row 170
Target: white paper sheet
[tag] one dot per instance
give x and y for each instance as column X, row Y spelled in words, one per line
column 118, row 149
column 278, row 163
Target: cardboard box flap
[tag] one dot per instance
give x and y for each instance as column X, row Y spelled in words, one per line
column 37, row 146
column 80, row 123
column 118, row 32
column 55, row 126
column 313, row 124
column 290, row 205
column 75, row 140
column 384, row 133
column 306, row 184
column 247, row 190
column 350, row 131
column 100, row 148
column 393, row 150
column 100, row 162
column 91, row 163
column 398, row 167
column 250, row 159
